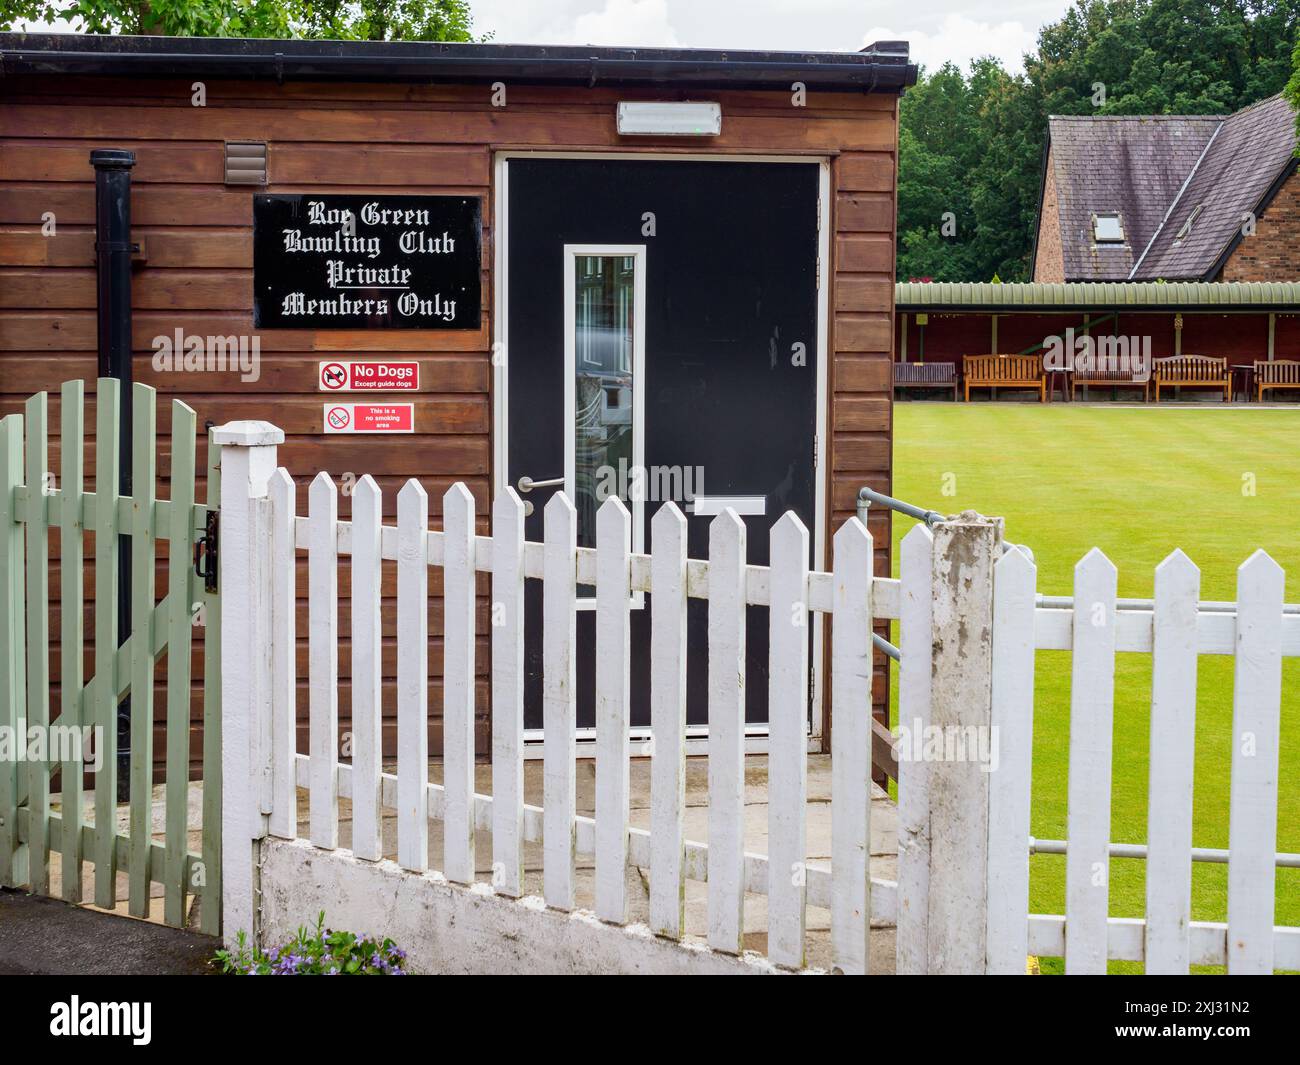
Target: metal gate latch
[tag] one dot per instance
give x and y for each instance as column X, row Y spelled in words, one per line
column 207, row 552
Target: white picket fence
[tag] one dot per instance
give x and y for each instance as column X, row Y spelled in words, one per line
column 998, row 599
column 969, row 628
column 276, row 534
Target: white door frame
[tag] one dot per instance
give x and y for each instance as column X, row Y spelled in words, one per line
column 696, row 737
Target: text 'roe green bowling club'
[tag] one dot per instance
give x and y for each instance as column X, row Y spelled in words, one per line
column 387, row 262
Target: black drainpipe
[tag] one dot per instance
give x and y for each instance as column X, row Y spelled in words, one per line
column 113, row 249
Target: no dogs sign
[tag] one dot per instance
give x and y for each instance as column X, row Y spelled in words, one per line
column 376, row 376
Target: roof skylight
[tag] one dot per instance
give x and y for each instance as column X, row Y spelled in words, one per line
column 1108, row 228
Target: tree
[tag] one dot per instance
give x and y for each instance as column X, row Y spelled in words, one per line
column 935, row 148
column 373, row 20
column 390, row 20
column 1293, row 87
column 968, row 161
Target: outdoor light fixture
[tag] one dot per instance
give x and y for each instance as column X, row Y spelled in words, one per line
column 670, row 119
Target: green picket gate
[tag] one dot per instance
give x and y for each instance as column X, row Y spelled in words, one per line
column 34, row 500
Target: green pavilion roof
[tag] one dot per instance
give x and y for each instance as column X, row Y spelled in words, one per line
column 957, row 296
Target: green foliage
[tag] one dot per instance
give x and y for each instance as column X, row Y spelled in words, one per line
column 323, row 952
column 972, row 143
column 372, row 20
column 1293, row 87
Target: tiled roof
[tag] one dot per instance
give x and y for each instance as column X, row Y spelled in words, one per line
column 1251, row 149
column 1150, row 166
column 1133, row 165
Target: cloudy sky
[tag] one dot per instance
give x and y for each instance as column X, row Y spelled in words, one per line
column 938, row 30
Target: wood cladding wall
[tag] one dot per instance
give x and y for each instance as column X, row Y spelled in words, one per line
column 195, row 269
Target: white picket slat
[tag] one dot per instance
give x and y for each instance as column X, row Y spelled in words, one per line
column 283, row 494
column 1092, row 692
column 367, row 670
column 914, row 611
column 508, row 694
column 412, row 677
column 851, row 670
column 1012, row 720
column 323, row 658
column 1256, row 720
column 559, row 706
column 1172, row 760
column 613, row 706
column 458, row 683
column 726, row 896
column 787, row 760
column 668, row 721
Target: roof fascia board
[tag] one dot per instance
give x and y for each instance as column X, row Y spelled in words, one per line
column 884, row 71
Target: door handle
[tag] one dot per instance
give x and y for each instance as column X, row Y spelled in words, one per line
column 527, row 484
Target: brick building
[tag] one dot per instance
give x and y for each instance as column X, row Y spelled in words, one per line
column 1171, row 197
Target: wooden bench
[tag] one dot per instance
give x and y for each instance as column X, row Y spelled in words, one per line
column 1112, row 379
column 1193, row 371
column 1281, row 373
column 926, row 375
column 1004, row 371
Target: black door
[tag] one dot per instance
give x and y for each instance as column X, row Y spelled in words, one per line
column 727, row 367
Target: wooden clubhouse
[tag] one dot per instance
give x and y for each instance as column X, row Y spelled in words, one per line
column 524, row 262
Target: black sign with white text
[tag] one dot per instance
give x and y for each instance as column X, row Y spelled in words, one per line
column 366, row 262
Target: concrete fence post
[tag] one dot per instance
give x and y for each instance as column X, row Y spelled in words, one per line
column 965, row 550
column 248, row 458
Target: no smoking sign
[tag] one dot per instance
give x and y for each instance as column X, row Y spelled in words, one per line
column 369, row 418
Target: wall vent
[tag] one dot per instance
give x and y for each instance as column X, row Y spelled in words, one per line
column 245, row 163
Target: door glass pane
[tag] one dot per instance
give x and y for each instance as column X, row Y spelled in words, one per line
column 603, row 344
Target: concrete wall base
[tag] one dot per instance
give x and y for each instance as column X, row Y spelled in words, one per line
column 451, row 929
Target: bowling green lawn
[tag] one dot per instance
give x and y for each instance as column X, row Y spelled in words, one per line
column 1136, row 483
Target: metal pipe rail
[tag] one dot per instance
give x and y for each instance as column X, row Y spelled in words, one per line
column 867, row 496
column 881, row 644
column 1208, row 606
column 1283, row 859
